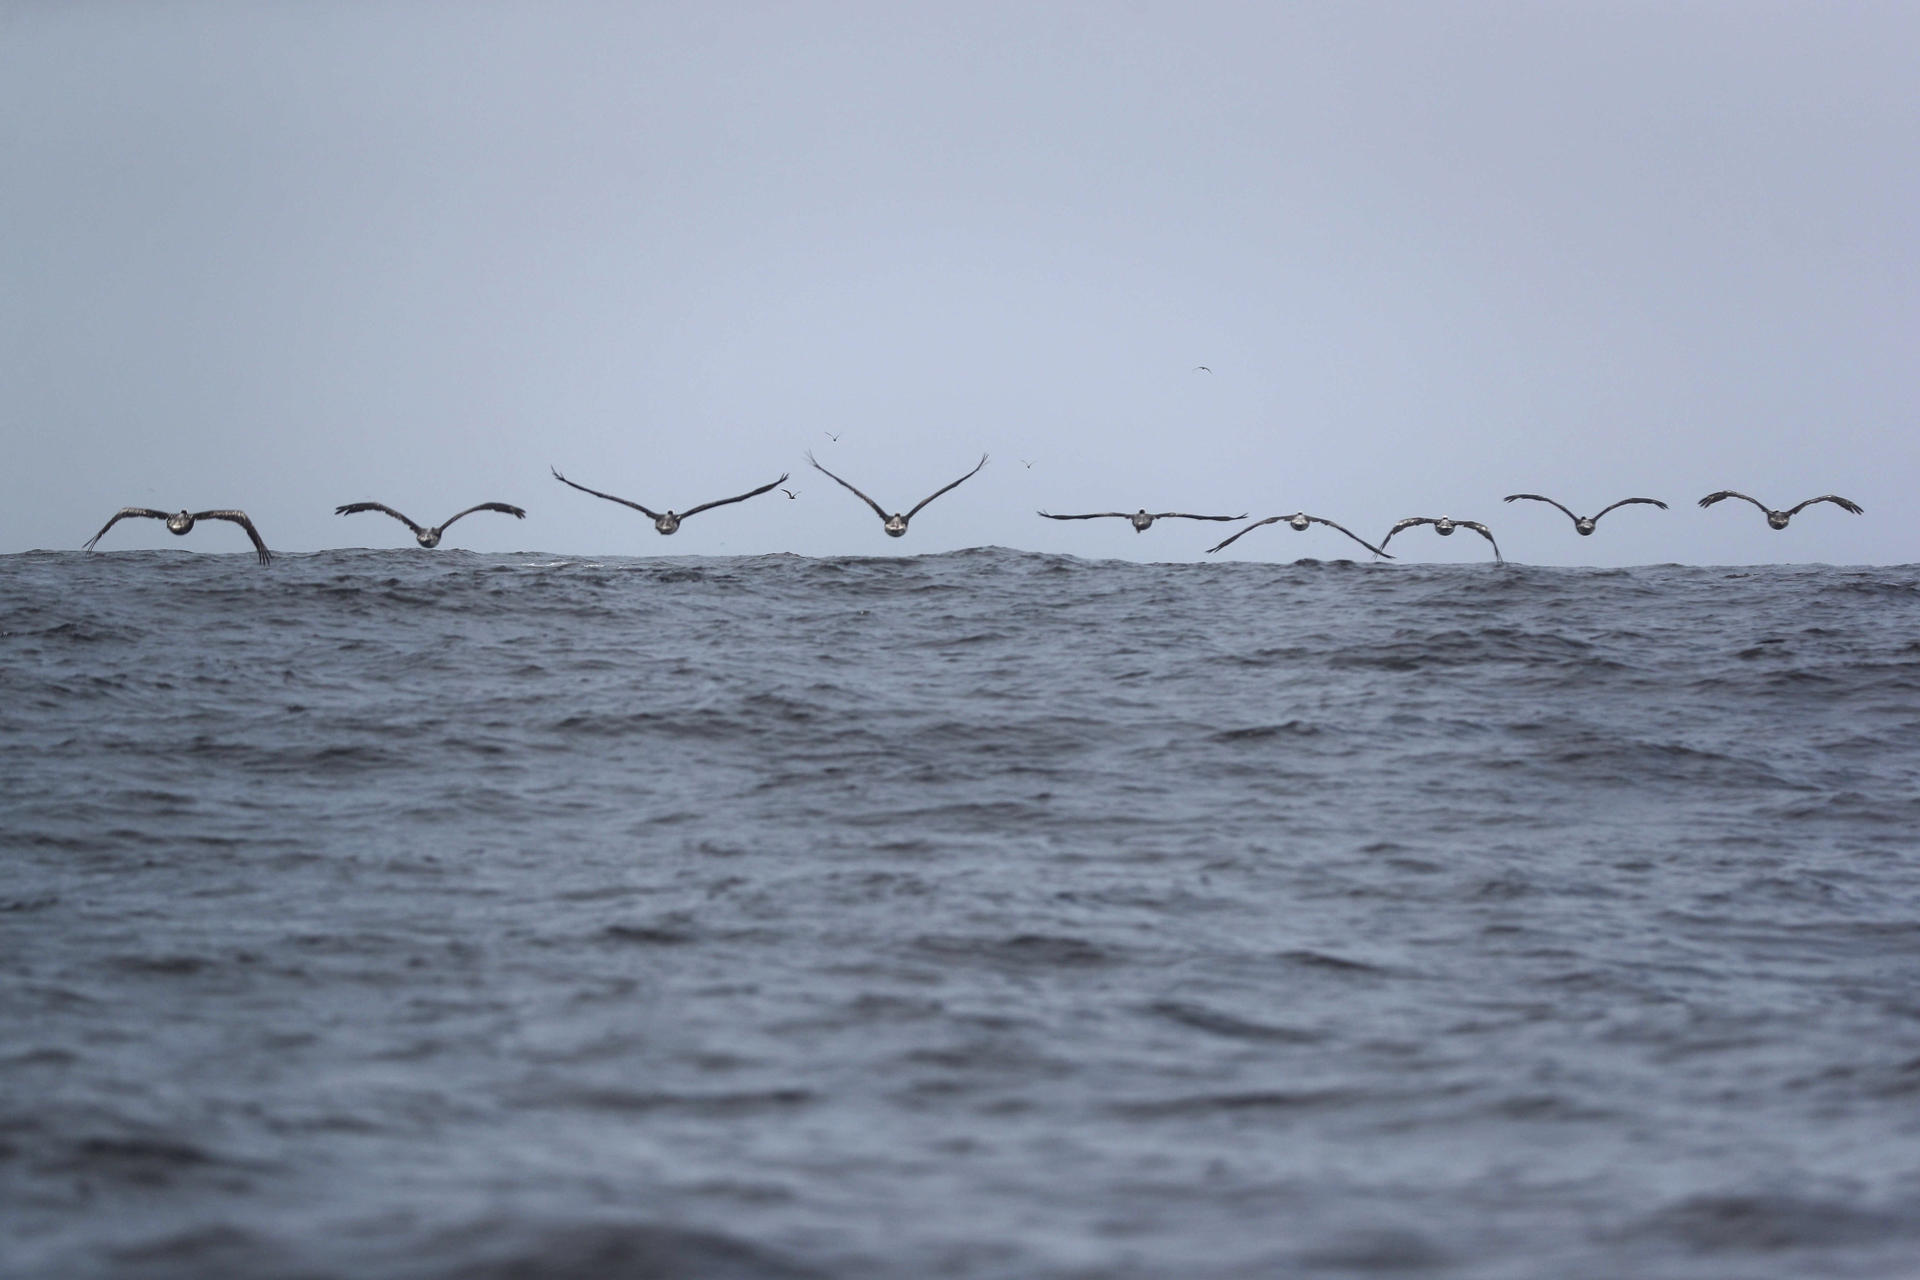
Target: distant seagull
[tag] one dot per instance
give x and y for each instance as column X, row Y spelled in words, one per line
column 668, row 522
column 896, row 524
column 1778, row 519
column 180, row 523
column 430, row 537
column 1584, row 524
column 831, row 436
column 1200, row 368
column 1141, row 520
column 791, row 495
column 1299, row 521
column 1026, row 464
column 1444, row 526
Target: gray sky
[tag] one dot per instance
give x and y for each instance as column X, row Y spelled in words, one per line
column 284, row 257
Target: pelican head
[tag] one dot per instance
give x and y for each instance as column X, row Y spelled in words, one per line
column 1140, row 521
column 1298, row 522
column 180, row 522
column 896, row 525
column 428, row 538
column 1775, row 519
column 667, row 523
column 1583, row 525
column 1443, row 526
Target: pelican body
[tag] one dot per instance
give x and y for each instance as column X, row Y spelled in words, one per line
column 1141, row 520
column 1299, row 522
column 428, row 536
column 181, row 523
column 668, row 522
column 1777, row 520
column 1584, row 525
column 896, row 524
column 1444, row 526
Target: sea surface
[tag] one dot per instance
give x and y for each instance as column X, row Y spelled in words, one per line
column 992, row 914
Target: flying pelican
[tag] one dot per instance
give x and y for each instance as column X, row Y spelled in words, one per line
column 1584, row 524
column 896, row 524
column 1445, row 526
column 668, row 522
column 429, row 537
column 180, row 523
column 1141, row 520
column 1778, row 519
column 1299, row 521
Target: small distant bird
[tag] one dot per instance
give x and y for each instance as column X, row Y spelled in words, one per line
column 180, row 523
column 1444, row 526
column 1584, row 524
column 1026, row 464
column 831, row 436
column 791, row 495
column 1299, row 521
column 1200, row 368
column 1141, row 520
column 896, row 524
column 666, row 522
column 1778, row 519
column 429, row 537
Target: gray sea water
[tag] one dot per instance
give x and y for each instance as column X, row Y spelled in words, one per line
column 406, row 914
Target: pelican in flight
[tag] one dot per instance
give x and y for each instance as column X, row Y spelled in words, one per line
column 428, row 537
column 181, row 523
column 1141, row 520
column 668, row 521
column 1445, row 526
column 896, row 524
column 1299, row 521
column 1778, row 519
column 1584, row 524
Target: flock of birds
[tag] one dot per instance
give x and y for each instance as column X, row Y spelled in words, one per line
column 895, row 523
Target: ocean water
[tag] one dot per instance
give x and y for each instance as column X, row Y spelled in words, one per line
column 395, row 913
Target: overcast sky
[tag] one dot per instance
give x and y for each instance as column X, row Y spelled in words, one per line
column 288, row 256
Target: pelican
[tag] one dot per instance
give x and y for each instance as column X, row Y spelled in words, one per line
column 1299, row 521
column 1584, row 524
column 1141, row 520
column 428, row 537
column 181, row 523
column 1444, row 526
column 666, row 522
column 1778, row 519
column 896, row 524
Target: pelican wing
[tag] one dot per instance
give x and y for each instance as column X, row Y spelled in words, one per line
column 1835, row 499
column 1712, row 498
column 240, row 518
column 753, row 493
column 122, row 514
column 1183, row 515
column 1514, row 497
column 1484, row 532
column 1342, row 528
column 1243, row 533
column 1408, row 523
column 513, row 511
column 352, row 507
column 877, row 508
column 943, row 488
column 1652, row 502
column 1091, row 515
column 651, row 515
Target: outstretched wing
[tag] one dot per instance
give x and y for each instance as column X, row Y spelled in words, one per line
column 1484, row 532
column 1514, row 497
column 1091, row 515
column 1243, row 533
column 1182, row 515
column 1652, row 502
column 1408, row 523
column 877, row 509
column 503, row 507
column 943, row 488
column 120, row 515
column 352, row 507
column 240, row 518
column 754, row 493
column 651, row 515
column 1835, row 499
column 1712, row 498
column 1343, row 529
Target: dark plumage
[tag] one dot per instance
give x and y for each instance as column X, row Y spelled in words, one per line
column 666, row 522
column 1141, row 520
column 1299, row 521
column 896, row 524
column 1583, row 525
column 429, row 536
column 1778, row 519
column 1444, row 526
column 180, row 523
